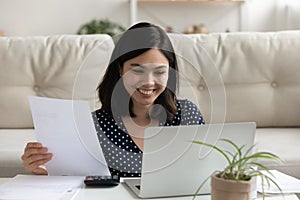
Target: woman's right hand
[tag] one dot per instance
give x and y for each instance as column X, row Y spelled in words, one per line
column 34, row 158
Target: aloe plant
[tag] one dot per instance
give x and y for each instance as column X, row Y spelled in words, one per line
column 243, row 165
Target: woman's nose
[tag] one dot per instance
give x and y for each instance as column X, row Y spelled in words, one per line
column 148, row 78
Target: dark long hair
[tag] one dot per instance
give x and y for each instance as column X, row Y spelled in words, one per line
column 135, row 41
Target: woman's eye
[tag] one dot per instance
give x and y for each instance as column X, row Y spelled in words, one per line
column 138, row 71
column 160, row 72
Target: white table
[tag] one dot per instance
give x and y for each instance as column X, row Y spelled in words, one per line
column 124, row 193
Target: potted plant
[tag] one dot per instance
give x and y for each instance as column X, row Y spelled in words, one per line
column 104, row 26
column 235, row 181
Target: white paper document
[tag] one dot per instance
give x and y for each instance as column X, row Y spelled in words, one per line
column 288, row 184
column 66, row 127
column 32, row 187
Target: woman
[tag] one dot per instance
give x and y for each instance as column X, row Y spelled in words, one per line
column 137, row 91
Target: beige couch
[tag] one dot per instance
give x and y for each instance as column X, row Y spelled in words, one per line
column 232, row 77
column 66, row 66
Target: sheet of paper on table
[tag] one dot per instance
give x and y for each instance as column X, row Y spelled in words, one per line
column 66, row 127
column 288, row 184
column 35, row 187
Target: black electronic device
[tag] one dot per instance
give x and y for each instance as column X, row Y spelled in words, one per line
column 102, row 181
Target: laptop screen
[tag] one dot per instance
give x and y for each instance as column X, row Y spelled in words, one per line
column 173, row 165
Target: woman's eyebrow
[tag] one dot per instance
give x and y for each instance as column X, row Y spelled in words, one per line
column 161, row 66
column 136, row 65
column 141, row 65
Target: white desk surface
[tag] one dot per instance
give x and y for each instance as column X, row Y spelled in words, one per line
column 124, row 193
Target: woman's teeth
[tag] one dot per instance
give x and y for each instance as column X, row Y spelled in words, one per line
column 147, row 92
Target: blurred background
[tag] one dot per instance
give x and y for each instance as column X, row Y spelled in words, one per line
column 50, row 17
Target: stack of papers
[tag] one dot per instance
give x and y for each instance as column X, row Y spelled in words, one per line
column 33, row 187
column 288, row 184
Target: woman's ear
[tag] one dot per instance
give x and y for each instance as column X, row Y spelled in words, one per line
column 120, row 71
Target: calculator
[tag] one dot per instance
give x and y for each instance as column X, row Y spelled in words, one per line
column 102, row 181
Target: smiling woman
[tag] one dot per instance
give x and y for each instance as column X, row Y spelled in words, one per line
column 138, row 90
column 143, row 76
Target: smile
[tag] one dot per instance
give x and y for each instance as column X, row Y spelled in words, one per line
column 146, row 92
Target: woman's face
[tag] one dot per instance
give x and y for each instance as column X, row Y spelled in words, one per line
column 145, row 77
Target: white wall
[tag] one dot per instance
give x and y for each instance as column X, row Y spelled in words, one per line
column 216, row 16
column 48, row 17
column 252, row 15
column 271, row 15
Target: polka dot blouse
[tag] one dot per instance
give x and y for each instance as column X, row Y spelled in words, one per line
column 122, row 155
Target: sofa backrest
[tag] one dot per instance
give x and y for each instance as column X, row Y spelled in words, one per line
column 65, row 66
column 231, row 76
column 242, row 76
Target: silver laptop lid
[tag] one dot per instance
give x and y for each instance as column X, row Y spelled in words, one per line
column 174, row 166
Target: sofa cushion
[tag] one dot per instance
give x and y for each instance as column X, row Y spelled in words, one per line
column 283, row 142
column 12, row 144
column 242, row 76
column 65, row 66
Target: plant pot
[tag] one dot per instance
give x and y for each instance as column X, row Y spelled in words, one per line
column 222, row 189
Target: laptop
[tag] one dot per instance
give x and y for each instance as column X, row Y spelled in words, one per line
column 174, row 166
